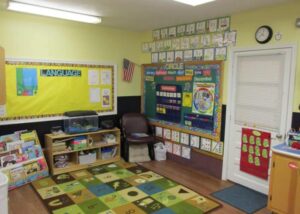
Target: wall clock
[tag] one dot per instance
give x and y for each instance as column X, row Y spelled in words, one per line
column 263, row 34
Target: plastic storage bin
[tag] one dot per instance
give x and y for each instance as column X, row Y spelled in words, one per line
column 87, row 158
column 73, row 125
column 160, row 151
column 3, row 194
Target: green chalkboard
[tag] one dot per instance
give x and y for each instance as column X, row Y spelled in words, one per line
column 185, row 95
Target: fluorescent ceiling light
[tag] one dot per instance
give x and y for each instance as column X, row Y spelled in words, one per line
column 194, row 2
column 45, row 11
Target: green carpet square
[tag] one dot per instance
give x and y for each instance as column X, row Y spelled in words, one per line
column 71, row 186
column 165, row 183
column 73, row 209
column 166, row 198
column 113, row 200
column 90, row 181
column 123, row 173
column 93, row 206
column 184, row 207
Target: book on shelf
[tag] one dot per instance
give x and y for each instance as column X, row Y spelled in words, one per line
column 14, row 145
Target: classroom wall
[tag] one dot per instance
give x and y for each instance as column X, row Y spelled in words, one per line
column 36, row 37
column 280, row 17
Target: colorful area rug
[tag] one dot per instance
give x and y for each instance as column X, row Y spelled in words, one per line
column 114, row 189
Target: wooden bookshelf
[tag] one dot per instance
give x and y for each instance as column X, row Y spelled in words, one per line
column 95, row 143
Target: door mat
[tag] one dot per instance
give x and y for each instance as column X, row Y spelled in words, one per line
column 113, row 189
column 242, row 198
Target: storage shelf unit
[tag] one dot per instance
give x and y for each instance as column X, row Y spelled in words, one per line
column 28, row 167
column 95, row 143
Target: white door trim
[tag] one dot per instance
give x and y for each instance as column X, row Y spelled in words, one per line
column 231, row 79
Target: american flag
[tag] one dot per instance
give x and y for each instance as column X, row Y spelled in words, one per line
column 128, row 68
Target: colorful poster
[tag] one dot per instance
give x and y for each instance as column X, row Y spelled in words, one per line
column 105, row 98
column 26, row 81
column 187, row 99
column 255, row 151
column 203, row 98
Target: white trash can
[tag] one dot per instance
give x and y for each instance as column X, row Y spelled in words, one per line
column 3, row 193
column 160, row 151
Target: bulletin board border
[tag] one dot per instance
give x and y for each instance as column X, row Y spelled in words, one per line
column 52, row 117
column 217, row 133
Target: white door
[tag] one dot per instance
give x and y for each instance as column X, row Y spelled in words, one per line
column 261, row 83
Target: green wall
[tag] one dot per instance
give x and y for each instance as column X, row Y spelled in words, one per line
column 34, row 37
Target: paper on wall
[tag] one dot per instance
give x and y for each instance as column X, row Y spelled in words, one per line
column 93, row 77
column 94, row 95
column 105, row 97
column 106, row 77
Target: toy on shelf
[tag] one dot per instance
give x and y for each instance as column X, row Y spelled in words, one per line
column 294, row 139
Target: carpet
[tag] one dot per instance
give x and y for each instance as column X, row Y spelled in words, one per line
column 115, row 189
column 242, row 198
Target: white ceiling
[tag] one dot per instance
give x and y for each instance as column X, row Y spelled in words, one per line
column 141, row 15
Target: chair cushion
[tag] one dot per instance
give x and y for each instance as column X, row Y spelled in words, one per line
column 139, row 140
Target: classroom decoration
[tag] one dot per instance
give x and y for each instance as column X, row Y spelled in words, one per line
column 128, row 68
column 188, row 42
column 37, row 89
column 114, row 188
column 188, row 142
column 22, row 158
column 255, row 149
column 185, row 95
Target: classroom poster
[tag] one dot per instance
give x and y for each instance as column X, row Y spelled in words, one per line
column 26, row 81
column 203, row 98
column 255, row 149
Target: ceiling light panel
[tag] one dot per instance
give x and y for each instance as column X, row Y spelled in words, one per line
column 45, row 11
column 194, row 2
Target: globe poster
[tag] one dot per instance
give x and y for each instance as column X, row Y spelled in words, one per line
column 203, row 98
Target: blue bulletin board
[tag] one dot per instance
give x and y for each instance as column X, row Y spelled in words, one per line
column 185, row 95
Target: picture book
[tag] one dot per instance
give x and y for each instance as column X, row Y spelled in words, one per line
column 26, row 136
column 17, row 176
column 8, row 160
column 14, row 145
column 9, row 138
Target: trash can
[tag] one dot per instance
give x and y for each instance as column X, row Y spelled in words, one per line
column 160, row 151
column 3, row 193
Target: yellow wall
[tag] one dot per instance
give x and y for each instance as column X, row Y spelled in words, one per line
column 26, row 36
column 281, row 18
column 34, row 37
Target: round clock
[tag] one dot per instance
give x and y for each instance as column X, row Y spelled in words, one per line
column 263, row 34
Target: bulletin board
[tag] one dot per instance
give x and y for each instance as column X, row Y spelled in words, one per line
column 185, row 95
column 41, row 90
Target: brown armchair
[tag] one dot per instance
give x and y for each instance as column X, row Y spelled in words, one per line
column 135, row 133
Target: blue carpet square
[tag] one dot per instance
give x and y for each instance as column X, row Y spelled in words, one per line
column 164, row 211
column 150, row 188
column 242, row 198
column 100, row 190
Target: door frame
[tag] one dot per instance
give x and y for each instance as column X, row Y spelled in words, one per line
column 231, row 80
